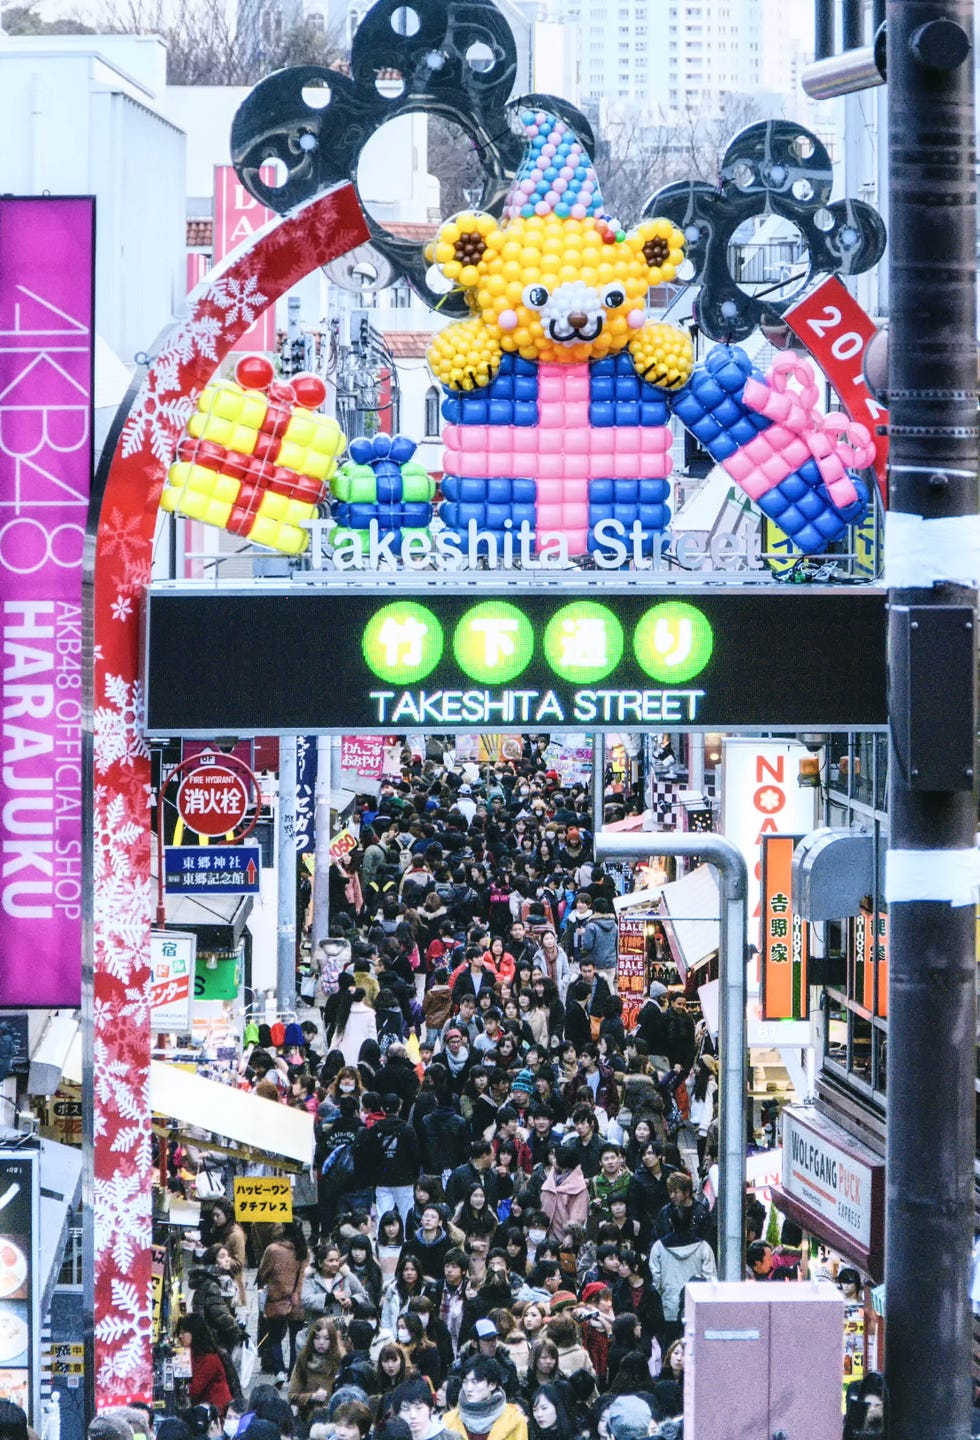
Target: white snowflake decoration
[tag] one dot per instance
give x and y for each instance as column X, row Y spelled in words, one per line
column 195, row 337
column 241, row 299
column 160, row 414
column 118, row 726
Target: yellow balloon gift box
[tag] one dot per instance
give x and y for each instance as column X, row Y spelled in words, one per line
column 256, row 460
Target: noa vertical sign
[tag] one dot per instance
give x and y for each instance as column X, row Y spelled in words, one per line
column 47, row 255
column 761, row 795
column 238, row 217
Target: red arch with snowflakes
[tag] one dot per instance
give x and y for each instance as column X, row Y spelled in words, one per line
column 117, row 969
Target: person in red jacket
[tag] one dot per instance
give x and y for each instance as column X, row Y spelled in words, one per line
column 209, row 1375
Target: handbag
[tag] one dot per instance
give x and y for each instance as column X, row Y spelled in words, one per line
column 247, row 1357
column 307, row 987
column 595, row 1025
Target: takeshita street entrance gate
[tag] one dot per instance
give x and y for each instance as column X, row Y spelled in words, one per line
column 408, row 666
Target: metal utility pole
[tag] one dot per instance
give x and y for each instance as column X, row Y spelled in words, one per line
column 286, row 875
column 932, row 713
column 733, row 882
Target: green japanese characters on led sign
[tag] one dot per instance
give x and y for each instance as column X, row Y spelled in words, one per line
column 673, row 642
column 403, row 642
column 494, row 642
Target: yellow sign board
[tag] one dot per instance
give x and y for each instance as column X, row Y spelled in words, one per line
column 263, row 1197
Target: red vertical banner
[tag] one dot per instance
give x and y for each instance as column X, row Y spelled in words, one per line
column 785, row 938
column 631, row 967
column 238, row 217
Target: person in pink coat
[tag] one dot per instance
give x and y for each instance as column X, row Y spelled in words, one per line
column 565, row 1195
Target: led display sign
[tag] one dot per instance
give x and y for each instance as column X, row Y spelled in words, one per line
column 358, row 660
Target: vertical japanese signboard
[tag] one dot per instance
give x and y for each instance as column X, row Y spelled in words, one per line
column 237, row 217
column 173, row 954
column 631, row 966
column 19, row 1280
column 868, row 961
column 46, row 387
column 785, row 940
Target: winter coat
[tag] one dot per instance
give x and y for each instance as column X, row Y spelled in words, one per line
column 397, row 1076
column 578, row 1030
column 437, row 1007
column 319, row 1295
column 210, row 1301
column 388, row 1153
column 361, row 1025
column 572, row 1358
column 232, row 1237
column 606, row 1096
column 511, row 1425
column 281, row 1273
column 560, row 973
column 445, row 1141
column 671, row 1267
column 431, row 1255
column 600, row 942
column 565, row 1201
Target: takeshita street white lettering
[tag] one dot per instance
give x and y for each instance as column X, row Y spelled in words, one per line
column 455, row 707
column 617, row 546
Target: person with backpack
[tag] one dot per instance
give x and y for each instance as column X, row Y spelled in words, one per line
column 417, row 882
column 390, row 1149
column 599, row 941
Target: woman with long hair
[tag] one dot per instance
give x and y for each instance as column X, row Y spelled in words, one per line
column 542, row 1368
column 533, row 1321
column 406, row 1283
column 393, row 1368
column 391, row 1238
column 477, row 1104
column 550, row 1419
column 316, row 1368
column 221, row 1228
column 473, row 1216
column 347, row 1081
column 419, row 1349
column 365, row 1268
column 210, row 1382
column 354, row 1024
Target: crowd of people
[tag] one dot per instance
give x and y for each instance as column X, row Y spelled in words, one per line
column 510, row 1190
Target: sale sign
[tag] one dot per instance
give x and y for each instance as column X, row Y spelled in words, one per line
column 237, row 217
column 46, row 365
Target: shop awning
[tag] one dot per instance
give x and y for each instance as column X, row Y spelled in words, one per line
column 61, row 1193
column 683, row 903
column 245, row 1119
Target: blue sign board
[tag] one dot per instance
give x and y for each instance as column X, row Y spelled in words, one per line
column 212, row 869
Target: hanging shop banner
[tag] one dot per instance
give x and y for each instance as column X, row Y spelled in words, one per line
column 760, row 796
column 237, row 217
column 785, row 935
column 306, row 768
column 867, row 960
column 263, row 1197
column 351, row 659
column 20, row 1244
column 364, row 755
column 631, row 966
column 46, row 389
column 172, row 953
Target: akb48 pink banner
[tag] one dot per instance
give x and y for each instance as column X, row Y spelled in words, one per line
column 46, row 355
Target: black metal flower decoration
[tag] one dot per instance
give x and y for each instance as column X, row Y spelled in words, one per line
column 457, row 60
column 774, row 167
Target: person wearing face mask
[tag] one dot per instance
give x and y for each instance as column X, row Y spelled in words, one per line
column 677, row 1258
column 419, row 1350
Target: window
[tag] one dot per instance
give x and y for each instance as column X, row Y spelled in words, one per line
column 432, row 411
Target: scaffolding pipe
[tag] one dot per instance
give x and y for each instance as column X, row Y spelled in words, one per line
column 732, row 871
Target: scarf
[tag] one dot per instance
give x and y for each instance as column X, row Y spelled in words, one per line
column 458, row 1061
column 479, row 1417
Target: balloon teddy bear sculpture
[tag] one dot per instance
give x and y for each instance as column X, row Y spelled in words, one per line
column 559, row 388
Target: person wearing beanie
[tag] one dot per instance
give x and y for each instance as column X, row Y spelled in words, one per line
column 103, row 1427
column 483, row 1411
column 563, row 1300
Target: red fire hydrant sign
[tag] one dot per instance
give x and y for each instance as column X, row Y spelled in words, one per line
column 212, row 800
